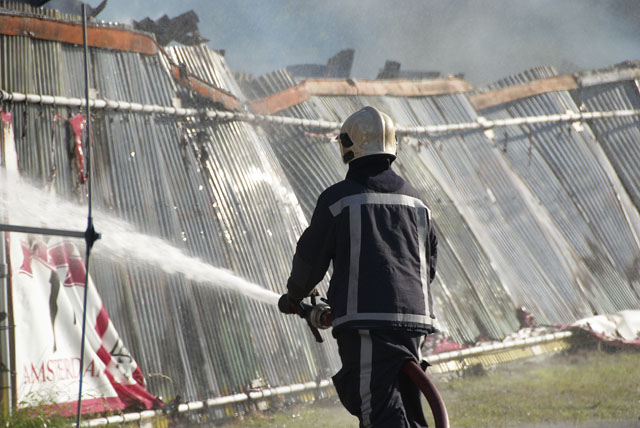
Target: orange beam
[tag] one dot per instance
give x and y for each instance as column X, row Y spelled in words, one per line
column 205, row 90
column 351, row 87
column 516, row 92
column 281, row 100
column 69, row 32
column 389, row 88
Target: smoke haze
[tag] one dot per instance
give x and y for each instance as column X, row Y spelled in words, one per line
column 484, row 39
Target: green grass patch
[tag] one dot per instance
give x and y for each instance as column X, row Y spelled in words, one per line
column 573, row 388
column 34, row 418
column 322, row 414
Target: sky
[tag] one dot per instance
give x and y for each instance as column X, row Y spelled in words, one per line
column 484, row 39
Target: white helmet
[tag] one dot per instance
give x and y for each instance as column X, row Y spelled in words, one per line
column 367, row 132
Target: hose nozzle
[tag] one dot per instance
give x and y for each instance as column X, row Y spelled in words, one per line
column 317, row 314
column 320, row 316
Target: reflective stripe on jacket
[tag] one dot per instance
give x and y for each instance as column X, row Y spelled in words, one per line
column 380, row 237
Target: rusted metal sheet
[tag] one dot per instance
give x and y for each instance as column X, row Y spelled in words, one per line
column 516, row 92
column 69, row 32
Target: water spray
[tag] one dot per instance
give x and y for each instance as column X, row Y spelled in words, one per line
column 120, row 242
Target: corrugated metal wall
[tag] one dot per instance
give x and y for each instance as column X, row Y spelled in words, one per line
column 512, row 232
column 470, row 300
column 561, row 165
column 618, row 137
column 213, row 189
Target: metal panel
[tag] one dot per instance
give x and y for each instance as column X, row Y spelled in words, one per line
column 213, row 189
column 618, row 137
column 521, row 223
column 470, row 301
column 561, row 165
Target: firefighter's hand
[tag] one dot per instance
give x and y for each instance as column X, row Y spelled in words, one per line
column 288, row 305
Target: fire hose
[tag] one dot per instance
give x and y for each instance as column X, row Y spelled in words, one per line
column 318, row 317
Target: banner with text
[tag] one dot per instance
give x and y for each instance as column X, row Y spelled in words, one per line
column 48, row 277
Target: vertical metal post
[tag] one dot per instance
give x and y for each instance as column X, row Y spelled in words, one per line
column 90, row 234
column 5, row 351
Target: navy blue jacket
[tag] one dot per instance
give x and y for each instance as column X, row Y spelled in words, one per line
column 379, row 235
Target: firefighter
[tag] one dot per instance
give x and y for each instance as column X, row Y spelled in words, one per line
column 379, row 235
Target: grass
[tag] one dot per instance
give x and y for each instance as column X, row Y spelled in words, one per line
column 323, row 414
column 574, row 388
column 33, row 418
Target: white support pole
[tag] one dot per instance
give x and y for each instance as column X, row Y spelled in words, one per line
column 212, row 402
column 481, row 123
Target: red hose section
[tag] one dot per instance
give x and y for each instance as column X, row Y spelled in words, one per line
column 422, row 381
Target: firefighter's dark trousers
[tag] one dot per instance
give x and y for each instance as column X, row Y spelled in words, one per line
column 371, row 384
